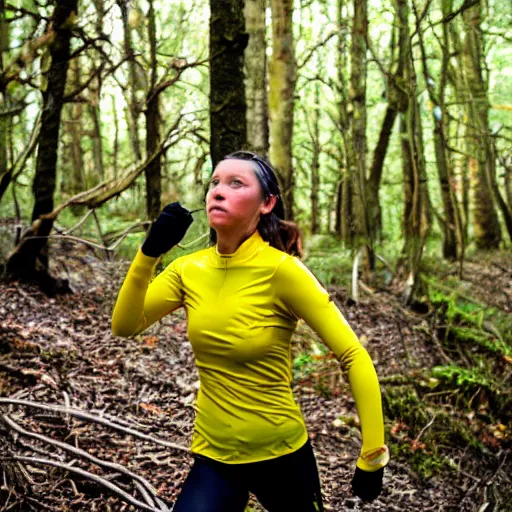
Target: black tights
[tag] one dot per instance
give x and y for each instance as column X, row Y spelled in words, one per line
column 286, row 484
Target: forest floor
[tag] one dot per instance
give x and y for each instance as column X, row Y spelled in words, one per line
column 448, row 431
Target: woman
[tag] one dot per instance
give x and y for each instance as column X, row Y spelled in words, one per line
column 243, row 297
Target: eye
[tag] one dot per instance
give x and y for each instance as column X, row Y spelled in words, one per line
column 213, row 183
column 236, row 183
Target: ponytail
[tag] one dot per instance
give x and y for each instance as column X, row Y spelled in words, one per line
column 281, row 234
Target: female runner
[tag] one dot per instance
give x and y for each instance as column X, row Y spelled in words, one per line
column 243, row 297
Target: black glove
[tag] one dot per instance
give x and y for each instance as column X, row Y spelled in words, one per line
column 367, row 485
column 168, row 230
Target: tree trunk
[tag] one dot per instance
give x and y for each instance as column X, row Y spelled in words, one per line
column 282, row 78
column 133, row 111
column 507, row 168
column 100, row 14
column 506, row 212
column 228, row 41
column 453, row 238
column 342, row 208
column 4, row 44
column 96, row 138
column 74, row 180
column 315, row 164
column 255, row 62
column 32, row 252
column 115, row 156
column 357, row 229
column 485, row 220
column 417, row 217
column 397, row 102
column 153, row 171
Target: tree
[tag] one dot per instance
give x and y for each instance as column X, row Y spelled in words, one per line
column 4, row 44
column 453, row 237
column 134, row 80
column 154, row 171
column 255, row 63
column 417, row 216
column 31, row 259
column 72, row 135
column 228, row 41
column 282, row 78
column 355, row 228
column 397, row 102
column 482, row 159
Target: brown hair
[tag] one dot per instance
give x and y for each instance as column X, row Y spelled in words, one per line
column 273, row 228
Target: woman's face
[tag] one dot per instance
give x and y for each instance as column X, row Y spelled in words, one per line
column 235, row 199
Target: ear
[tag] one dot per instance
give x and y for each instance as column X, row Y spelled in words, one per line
column 268, row 205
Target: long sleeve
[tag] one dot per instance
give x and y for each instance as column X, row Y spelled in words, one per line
column 303, row 296
column 140, row 302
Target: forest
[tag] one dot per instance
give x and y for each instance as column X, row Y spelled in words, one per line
column 389, row 125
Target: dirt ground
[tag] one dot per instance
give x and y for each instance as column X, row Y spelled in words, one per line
column 60, row 351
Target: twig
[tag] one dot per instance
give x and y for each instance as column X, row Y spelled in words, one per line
column 102, row 481
column 95, row 419
column 423, row 430
column 466, row 5
column 79, row 223
column 194, row 242
column 82, row 453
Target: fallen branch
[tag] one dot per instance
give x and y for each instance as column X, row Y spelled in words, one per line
column 82, row 453
column 98, row 479
column 77, row 413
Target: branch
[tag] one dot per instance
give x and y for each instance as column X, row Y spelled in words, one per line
column 315, row 48
column 96, row 73
column 81, row 453
column 179, row 68
column 98, row 479
column 466, row 5
column 82, row 415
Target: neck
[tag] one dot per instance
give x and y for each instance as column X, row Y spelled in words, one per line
column 229, row 242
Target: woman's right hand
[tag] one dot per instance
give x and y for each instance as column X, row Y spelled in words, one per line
column 167, row 230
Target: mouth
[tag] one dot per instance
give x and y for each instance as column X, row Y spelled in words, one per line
column 216, row 209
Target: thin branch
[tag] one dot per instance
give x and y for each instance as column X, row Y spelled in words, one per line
column 466, row 5
column 77, row 413
column 98, row 479
column 79, row 223
column 81, row 453
column 315, row 48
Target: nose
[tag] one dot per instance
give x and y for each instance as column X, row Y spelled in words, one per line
column 217, row 192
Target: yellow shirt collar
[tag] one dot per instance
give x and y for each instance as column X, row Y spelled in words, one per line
column 247, row 250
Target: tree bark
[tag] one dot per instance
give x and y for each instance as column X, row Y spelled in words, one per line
column 35, row 251
column 282, row 78
column 485, row 220
column 397, row 102
column 228, row 40
column 356, row 229
column 134, row 109
column 315, row 165
column 154, row 170
column 74, row 180
column 341, row 226
column 255, row 62
column 417, row 216
column 4, row 44
column 115, row 150
column 453, row 238
column 97, row 149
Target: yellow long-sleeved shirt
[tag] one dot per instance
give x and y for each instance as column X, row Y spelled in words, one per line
column 242, row 310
